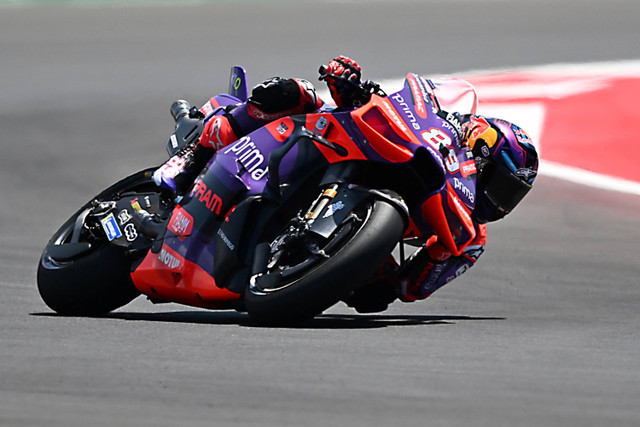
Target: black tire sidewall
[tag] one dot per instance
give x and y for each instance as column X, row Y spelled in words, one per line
column 335, row 278
column 95, row 283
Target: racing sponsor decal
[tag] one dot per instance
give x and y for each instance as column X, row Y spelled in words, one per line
column 417, row 92
column 462, row 188
column 455, row 122
column 394, row 116
column 174, row 141
column 212, row 201
column 526, row 173
column 321, row 125
column 226, row 240
column 110, row 226
column 170, row 258
column 331, row 209
column 474, row 252
column 214, row 135
column 136, row 205
column 522, row 136
column 250, row 156
column 130, row 232
column 406, row 110
column 124, row 217
column 468, row 168
column 207, row 109
column 459, row 272
column 255, row 112
column 282, row 128
column 483, row 131
column 460, row 209
column 181, row 222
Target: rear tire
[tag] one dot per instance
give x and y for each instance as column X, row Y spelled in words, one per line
column 97, row 280
column 333, row 278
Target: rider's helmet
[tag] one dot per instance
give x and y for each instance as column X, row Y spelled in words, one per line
column 507, row 165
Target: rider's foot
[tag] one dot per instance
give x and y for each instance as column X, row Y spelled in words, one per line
column 165, row 176
column 179, row 172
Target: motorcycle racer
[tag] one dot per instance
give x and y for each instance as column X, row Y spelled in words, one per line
column 505, row 161
column 507, row 165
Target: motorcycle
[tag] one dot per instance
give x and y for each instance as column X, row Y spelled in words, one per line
column 283, row 223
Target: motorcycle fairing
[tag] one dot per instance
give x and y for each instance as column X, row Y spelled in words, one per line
column 168, row 276
column 392, row 130
column 445, row 212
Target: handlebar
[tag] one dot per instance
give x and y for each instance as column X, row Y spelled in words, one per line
column 180, row 108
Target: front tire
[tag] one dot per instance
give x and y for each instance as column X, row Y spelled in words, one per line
column 96, row 279
column 332, row 278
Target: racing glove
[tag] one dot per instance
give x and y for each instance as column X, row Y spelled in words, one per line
column 343, row 75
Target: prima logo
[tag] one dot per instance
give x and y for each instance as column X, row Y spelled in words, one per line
column 250, row 156
column 406, row 110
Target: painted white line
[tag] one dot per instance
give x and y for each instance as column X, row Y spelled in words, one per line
column 588, row 178
column 531, row 116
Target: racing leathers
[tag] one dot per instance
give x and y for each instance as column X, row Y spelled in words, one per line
column 443, row 258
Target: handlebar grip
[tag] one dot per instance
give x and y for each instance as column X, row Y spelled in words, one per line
column 180, row 108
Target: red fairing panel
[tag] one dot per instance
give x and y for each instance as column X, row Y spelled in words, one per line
column 168, row 276
column 450, row 219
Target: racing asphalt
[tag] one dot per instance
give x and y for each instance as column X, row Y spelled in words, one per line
column 543, row 331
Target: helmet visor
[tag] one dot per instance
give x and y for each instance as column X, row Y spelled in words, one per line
column 505, row 190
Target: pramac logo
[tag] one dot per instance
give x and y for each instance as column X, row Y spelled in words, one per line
column 212, row 201
column 419, row 94
column 181, row 222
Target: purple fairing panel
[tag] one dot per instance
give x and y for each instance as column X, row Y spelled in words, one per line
column 440, row 134
column 243, row 166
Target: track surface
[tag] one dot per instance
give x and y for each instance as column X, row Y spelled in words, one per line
column 543, row 331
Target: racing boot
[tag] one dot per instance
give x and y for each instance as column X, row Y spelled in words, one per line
column 179, row 172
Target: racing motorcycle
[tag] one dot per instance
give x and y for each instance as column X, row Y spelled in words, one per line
column 283, row 223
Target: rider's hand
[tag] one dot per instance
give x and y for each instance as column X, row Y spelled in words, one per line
column 342, row 75
column 341, row 68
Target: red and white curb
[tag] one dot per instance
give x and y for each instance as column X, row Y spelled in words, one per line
column 583, row 118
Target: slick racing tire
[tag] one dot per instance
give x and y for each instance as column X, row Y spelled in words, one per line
column 351, row 254
column 93, row 279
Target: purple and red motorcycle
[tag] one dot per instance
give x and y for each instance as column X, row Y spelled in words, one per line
column 283, row 223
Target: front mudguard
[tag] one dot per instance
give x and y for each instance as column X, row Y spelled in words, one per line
column 345, row 201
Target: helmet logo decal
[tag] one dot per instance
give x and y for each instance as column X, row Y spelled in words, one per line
column 526, row 173
column 482, row 130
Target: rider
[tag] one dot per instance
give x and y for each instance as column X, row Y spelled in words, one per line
column 506, row 163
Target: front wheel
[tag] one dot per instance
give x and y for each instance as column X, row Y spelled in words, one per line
column 308, row 274
column 80, row 272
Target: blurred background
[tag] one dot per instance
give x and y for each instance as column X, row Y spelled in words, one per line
column 542, row 332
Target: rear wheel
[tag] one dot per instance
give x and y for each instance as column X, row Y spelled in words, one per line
column 306, row 273
column 80, row 272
